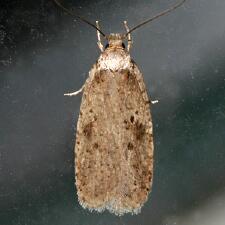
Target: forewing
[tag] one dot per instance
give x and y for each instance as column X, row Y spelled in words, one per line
column 114, row 145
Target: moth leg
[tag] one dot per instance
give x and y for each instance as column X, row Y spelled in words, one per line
column 75, row 93
column 100, row 45
column 129, row 40
column 154, row 102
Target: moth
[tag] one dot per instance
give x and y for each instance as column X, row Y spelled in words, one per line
column 114, row 139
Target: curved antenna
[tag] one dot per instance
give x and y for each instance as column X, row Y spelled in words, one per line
column 79, row 17
column 156, row 16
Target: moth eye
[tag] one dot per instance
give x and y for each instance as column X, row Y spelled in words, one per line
column 106, row 46
column 123, row 45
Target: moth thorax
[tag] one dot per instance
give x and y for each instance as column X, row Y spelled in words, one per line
column 115, row 40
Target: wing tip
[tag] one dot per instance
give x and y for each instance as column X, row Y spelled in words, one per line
column 112, row 207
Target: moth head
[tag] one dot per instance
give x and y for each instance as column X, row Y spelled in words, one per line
column 115, row 41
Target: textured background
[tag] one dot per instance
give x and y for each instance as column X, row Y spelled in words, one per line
column 44, row 53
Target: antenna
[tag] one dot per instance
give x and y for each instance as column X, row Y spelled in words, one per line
column 156, row 16
column 79, row 17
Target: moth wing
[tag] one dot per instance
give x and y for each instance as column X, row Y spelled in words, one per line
column 114, row 145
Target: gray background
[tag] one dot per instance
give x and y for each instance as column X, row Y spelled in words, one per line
column 45, row 53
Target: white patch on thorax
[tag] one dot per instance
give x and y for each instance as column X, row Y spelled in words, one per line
column 114, row 60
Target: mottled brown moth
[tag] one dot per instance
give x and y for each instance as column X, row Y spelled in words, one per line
column 114, row 139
